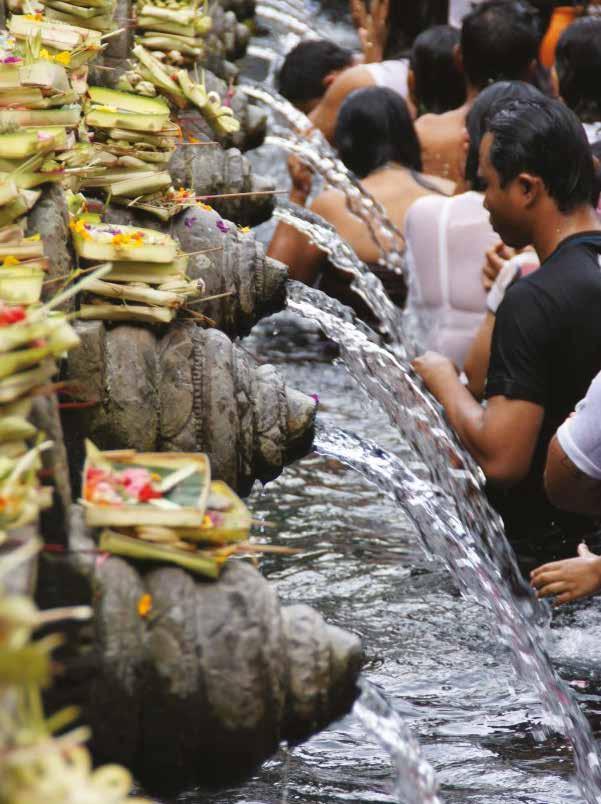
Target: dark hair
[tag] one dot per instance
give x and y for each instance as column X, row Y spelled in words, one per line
column 578, row 65
column 439, row 85
column 407, row 19
column 374, row 127
column 545, row 138
column 499, row 41
column 305, row 67
column 486, row 104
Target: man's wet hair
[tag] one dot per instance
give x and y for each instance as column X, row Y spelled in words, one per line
column 488, row 102
column 439, row 84
column 578, row 65
column 499, row 41
column 545, row 138
column 374, row 128
column 302, row 75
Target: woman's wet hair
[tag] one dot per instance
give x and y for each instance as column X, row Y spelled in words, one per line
column 439, row 84
column 545, row 138
column 484, row 107
column 499, row 42
column 302, row 75
column 578, row 65
column 407, row 19
column 374, row 127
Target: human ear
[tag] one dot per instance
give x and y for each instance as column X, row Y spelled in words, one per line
column 329, row 79
column 530, row 188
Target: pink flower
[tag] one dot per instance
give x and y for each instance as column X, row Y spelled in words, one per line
column 105, row 493
column 134, row 480
column 223, row 227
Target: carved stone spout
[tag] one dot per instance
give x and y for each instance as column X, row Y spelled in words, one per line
column 189, row 390
column 208, row 684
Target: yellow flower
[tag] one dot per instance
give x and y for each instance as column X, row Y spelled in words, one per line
column 78, row 227
column 10, row 260
column 37, row 17
column 204, row 206
column 34, row 238
column 44, row 54
column 145, row 605
column 63, row 58
column 244, row 229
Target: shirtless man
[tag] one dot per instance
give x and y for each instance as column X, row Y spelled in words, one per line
column 499, row 40
column 546, row 345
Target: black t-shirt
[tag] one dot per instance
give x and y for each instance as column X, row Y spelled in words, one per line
column 546, row 349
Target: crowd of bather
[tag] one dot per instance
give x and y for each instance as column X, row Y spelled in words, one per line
column 479, row 134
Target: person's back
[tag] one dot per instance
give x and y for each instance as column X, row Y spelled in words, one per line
column 447, row 239
column 376, row 140
column 499, row 41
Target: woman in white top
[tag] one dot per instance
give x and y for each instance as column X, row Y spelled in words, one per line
column 447, row 239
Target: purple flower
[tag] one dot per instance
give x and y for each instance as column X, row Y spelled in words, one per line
column 11, row 60
column 189, row 222
column 223, row 227
column 315, row 397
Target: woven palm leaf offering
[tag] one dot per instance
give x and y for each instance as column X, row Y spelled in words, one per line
column 39, row 108
column 31, row 340
column 146, row 279
column 70, row 45
column 142, row 499
column 37, row 767
column 180, row 88
column 175, row 28
column 162, row 507
column 130, row 142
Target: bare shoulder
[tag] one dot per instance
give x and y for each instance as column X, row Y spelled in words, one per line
column 445, row 186
column 355, row 77
column 328, row 203
column 430, row 125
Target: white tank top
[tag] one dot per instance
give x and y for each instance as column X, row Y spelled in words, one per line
column 458, row 9
column 447, row 239
column 391, row 74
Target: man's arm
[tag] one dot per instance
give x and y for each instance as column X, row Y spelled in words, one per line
column 325, row 115
column 567, row 486
column 478, row 356
column 500, row 437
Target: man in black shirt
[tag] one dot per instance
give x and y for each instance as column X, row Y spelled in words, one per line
column 538, row 174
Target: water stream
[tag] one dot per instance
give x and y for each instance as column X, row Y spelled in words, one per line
column 399, row 544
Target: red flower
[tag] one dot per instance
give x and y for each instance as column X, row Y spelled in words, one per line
column 148, row 493
column 11, row 315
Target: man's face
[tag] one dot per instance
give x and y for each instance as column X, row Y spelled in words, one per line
column 506, row 205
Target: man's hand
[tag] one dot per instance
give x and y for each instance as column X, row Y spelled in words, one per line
column 302, row 179
column 570, row 579
column 435, row 370
column 496, row 257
